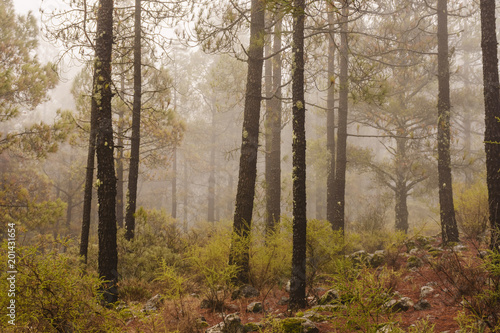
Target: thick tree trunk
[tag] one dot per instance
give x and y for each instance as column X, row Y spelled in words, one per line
column 492, row 114
column 330, row 121
column 449, row 229
column 298, row 280
column 338, row 222
column 239, row 255
column 133, row 173
column 106, row 189
column 401, row 196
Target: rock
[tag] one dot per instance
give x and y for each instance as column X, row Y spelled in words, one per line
column 231, row 324
column 245, row 291
column 435, row 251
column 287, row 286
column 377, row 258
column 459, row 248
column 425, row 291
column 153, row 303
column 422, row 305
column 403, row 304
column 482, row 254
column 413, row 251
column 232, row 307
column 253, row 327
column 359, row 258
column 254, row 307
column 293, row 325
column 329, row 297
column 201, row 322
column 414, row 262
column 283, row 300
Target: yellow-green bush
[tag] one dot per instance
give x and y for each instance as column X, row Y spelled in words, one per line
column 471, row 205
column 53, row 294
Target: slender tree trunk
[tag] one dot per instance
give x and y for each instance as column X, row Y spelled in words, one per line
column 339, row 190
column 239, row 255
column 106, row 189
column 69, row 211
column 298, row 280
column 174, row 184
column 492, row 114
column 211, row 177
column 89, row 180
column 119, row 163
column 268, row 84
column 186, row 193
column 133, row 173
column 449, row 228
column 330, row 120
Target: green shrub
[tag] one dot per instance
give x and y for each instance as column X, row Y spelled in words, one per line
column 53, row 294
column 471, row 205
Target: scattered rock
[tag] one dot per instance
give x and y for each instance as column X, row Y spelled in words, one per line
column 201, row 322
column 459, row 248
column 254, row 307
column 287, row 286
column 482, row 254
column 153, row 303
column 359, row 258
column 414, row 262
column 231, row 324
column 377, row 258
column 283, row 300
column 328, row 297
column 422, row 304
column 425, row 291
column 253, row 327
column 245, row 291
column 232, row 307
column 403, row 304
column 293, row 325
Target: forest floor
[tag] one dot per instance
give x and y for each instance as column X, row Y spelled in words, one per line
column 455, row 276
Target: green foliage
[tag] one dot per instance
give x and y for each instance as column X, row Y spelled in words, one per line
column 363, row 293
column 157, row 239
column 53, row 294
column 471, row 206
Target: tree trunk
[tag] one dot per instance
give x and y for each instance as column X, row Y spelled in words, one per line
column 339, row 190
column 330, row 121
column 119, row 163
column 298, row 280
column 492, row 114
column 239, row 255
column 174, row 184
column 211, row 177
column 186, row 192
column 401, row 196
column 268, row 135
column 106, row 189
column 133, row 173
column 449, row 228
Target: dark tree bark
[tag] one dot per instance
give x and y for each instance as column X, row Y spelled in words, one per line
column 298, row 280
column 492, row 114
column 106, row 189
column 133, row 173
column 211, row 177
column 89, row 180
column 249, row 146
column 119, row 163
column 330, row 120
column 400, row 187
column 273, row 131
column 338, row 222
column 449, row 229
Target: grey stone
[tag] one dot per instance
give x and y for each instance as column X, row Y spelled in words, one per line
column 153, row 303
column 329, row 297
column 403, row 304
column 283, row 300
column 254, row 307
column 231, row 324
column 414, row 262
column 426, row 291
column 245, row 291
column 422, row 304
